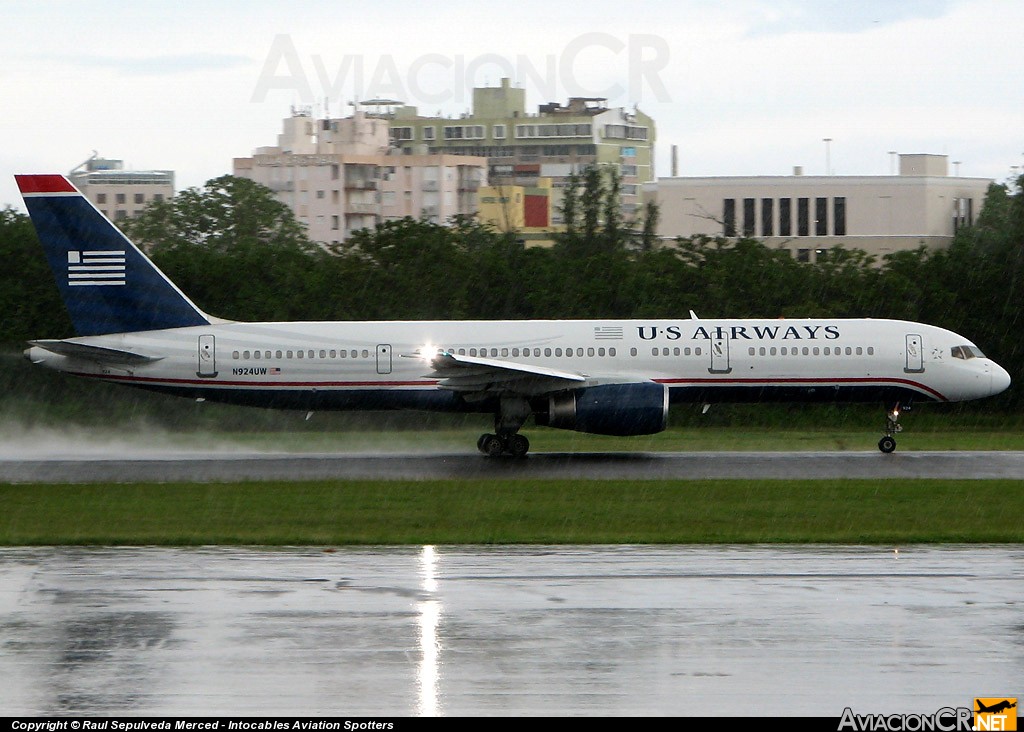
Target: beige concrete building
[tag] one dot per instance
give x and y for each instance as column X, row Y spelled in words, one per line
column 807, row 215
column 341, row 175
column 117, row 192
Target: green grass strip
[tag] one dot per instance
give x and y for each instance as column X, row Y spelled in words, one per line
column 515, row 512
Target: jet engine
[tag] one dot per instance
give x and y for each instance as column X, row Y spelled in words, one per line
column 609, row 409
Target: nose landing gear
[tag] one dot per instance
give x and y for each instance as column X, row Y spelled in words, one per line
column 892, row 427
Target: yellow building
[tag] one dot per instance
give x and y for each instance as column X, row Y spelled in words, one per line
column 525, row 210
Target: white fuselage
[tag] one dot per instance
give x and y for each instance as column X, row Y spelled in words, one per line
column 381, row 365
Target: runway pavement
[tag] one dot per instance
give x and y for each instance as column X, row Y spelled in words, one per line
column 509, row 631
column 200, row 466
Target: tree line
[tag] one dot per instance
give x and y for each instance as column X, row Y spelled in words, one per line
column 241, row 254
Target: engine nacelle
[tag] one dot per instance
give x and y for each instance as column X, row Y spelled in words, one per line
column 611, row 409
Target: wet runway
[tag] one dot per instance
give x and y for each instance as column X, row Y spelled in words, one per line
column 582, row 631
column 197, row 465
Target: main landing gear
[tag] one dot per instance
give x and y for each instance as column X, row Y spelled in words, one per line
column 510, row 418
column 892, row 427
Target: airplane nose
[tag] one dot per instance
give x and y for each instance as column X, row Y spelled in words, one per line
column 1000, row 379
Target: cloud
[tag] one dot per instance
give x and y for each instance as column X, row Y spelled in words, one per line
column 164, row 65
column 839, row 16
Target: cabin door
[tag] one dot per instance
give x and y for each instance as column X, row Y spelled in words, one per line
column 720, row 354
column 207, row 357
column 915, row 355
column 383, row 358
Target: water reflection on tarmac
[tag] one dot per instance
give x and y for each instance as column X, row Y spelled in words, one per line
column 455, row 631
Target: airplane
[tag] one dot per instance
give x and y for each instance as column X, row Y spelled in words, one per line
column 996, row 708
column 611, row 377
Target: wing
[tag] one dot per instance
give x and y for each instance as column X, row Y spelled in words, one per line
column 99, row 354
column 470, row 374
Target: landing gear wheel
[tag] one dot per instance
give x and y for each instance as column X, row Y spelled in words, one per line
column 887, row 444
column 491, row 445
column 480, row 442
column 518, row 446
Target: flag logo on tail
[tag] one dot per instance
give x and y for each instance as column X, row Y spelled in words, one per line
column 96, row 268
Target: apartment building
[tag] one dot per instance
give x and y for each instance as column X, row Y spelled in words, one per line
column 554, row 142
column 117, row 192
column 342, row 175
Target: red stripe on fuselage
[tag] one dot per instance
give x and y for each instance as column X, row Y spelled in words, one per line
column 259, row 384
column 44, row 184
column 798, row 382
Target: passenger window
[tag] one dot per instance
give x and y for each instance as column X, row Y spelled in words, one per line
column 558, row 352
column 654, row 351
column 504, row 353
column 762, row 351
column 334, row 353
column 827, row 351
column 849, row 351
column 686, row 351
column 291, row 355
column 579, row 352
column 366, row 354
column 256, row 355
column 871, row 350
column 235, row 355
column 600, row 351
column 277, row 354
column 696, row 351
column 632, row 352
column 751, row 351
column 860, row 351
column 806, row 350
column 676, row 351
column 300, row 354
column 815, row 350
column 547, row 352
column 611, row 352
column 771, row 351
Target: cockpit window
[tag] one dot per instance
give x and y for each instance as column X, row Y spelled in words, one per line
column 966, row 352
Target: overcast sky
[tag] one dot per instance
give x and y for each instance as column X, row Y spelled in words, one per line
column 745, row 87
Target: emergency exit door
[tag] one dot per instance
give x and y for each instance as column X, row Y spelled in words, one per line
column 383, row 358
column 207, row 357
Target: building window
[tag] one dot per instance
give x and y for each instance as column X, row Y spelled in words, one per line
column 767, row 217
column 399, row 134
column 821, row 217
column 158, row 197
column 498, row 132
column 729, row 216
column 839, row 216
column 803, row 217
column 429, row 134
column 120, row 214
column 748, row 217
column 335, row 222
column 121, row 198
column 803, row 255
column 140, row 198
column 785, row 217
column 101, row 198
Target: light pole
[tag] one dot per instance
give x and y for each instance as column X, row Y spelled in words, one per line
column 828, row 162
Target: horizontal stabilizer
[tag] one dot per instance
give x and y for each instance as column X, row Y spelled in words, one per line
column 99, row 354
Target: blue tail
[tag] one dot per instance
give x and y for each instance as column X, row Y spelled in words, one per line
column 107, row 284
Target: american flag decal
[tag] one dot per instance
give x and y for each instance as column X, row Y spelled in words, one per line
column 96, row 268
column 275, row 372
column 608, row 332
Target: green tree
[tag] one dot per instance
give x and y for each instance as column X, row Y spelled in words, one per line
column 235, row 249
column 29, row 299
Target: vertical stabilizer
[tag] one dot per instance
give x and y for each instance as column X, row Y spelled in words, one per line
column 108, row 285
